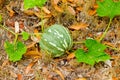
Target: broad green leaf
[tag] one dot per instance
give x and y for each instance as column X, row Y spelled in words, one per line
column 15, row 51
column 32, row 3
column 108, row 8
column 97, row 46
column 25, row 35
column 94, row 54
column 83, row 57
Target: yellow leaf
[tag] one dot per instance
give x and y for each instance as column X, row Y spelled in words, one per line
column 61, row 75
column 78, row 26
column 70, row 56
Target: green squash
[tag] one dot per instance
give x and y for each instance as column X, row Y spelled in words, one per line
column 56, row 40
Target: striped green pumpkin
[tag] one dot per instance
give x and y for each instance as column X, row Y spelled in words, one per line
column 56, row 40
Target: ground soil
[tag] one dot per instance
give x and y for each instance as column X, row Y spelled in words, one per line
column 42, row 67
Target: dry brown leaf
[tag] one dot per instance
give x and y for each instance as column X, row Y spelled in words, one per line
column 55, row 1
column 114, row 78
column 29, row 67
column 64, row 1
column 37, row 33
column 79, row 26
column 71, row 56
column 11, row 12
column 6, row 62
column 45, row 10
column 13, row 74
column 29, row 12
column 70, row 1
column 92, row 12
column 108, row 43
column 32, row 51
column 79, row 8
column 95, row 6
column 71, row 10
column 59, row 73
column 38, row 14
column 19, row 77
column 81, row 79
column 57, row 8
column 31, row 45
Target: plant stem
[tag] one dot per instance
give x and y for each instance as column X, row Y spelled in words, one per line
column 106, row 30
column 16, row 37
column 42, row 25
column 78, row 42
column 113, row 48
column 8, row 29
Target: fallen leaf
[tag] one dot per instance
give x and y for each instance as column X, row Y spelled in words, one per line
column 55, row 1
column 57, row 8
column 10, row 23
column 38, row 14
column 2, row 3
column 6, row 62
column 70, row 1
column 31, row 45
column 78, row 26
column 59, row 73
column 19, row 77
column 37, row 33
column 79, row 8
column 32, row 51
column 45, row 10
column 64, row 1
column 92, row 12
column 29, row 67
column 13, row 74
column 81, row 79
column 108, row 43
column 29, row 12
column 95, row 6
column 11, row 12
column 71, row 10
column 70, row 56
column 114, row 78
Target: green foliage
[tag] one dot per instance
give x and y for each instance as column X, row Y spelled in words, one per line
column 108, row 8
column 15, row 51
column 32, row 3
column 25, row 35
column 94, row 54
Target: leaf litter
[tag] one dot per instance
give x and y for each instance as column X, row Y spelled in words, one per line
column 66, row 66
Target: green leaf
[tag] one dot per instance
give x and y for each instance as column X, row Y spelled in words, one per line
column 97, row 46
column 15, row 51
column 94, row 54
column 32, row 3
column 25, row 35
column 108, row 8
